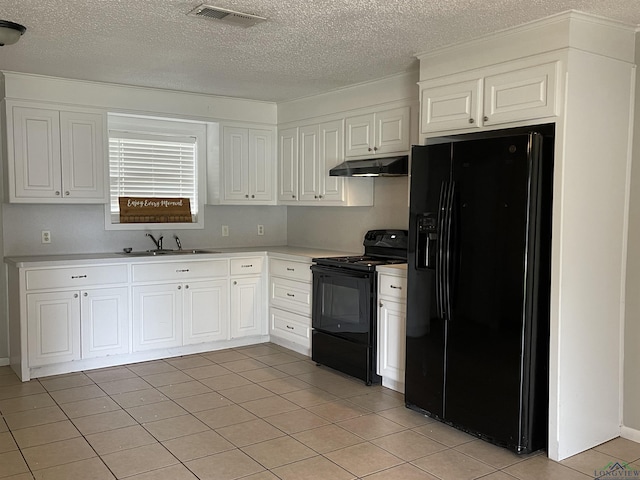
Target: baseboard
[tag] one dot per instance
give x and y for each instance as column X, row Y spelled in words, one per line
column 4, row 362
column 630, row 434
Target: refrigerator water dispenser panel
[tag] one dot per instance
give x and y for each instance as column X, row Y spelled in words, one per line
column 426, row 243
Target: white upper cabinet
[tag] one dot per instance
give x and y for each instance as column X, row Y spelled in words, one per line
column 248, row 166
column 381, row 133
column 508, row 96
column 288, row 165
column 55, row 156
column 307, row 154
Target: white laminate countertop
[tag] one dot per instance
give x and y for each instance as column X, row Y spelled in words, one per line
column 281, row 251
column 397, row 269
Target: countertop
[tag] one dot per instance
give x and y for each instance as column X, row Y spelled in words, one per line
column 281, row 251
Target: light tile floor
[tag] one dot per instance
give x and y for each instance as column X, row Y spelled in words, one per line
column 257, row 413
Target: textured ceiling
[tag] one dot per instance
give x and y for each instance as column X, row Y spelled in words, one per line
column 306, row 46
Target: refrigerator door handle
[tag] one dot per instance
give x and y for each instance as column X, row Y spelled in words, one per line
column 448, row 256
column 440, row 255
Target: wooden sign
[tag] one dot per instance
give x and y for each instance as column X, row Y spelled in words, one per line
column 154, row 210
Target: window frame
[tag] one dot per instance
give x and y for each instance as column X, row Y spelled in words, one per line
column 145, row 125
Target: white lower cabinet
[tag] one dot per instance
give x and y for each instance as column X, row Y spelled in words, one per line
column 392, row 313
column 290, row 304
column 69, row 325
column 205, row 312
column 247, row 309
column 157, row 316
column 53, row 320
column 104, row 314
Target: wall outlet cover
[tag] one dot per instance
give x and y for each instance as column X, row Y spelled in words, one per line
column 260, row 229
column 46, row 236
column 225, row 230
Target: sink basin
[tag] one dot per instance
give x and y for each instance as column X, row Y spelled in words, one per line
column 153, row 253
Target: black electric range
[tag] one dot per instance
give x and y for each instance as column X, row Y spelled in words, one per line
column 344, row 313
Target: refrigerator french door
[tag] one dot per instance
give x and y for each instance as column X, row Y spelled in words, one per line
column 478, row 284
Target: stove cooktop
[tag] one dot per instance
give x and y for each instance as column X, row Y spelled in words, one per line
column 358, row 262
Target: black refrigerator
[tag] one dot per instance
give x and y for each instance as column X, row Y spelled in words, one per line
column 478, row 284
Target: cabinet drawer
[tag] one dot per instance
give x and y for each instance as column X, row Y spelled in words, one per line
column 291, row 326
column 178, row 271
column 292, row 270
column 76, row 277
column 392, row 286
column 246, row 266
column 291, row 295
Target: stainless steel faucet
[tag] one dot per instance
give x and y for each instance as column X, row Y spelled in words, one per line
column 178, row 242
column 158, row 242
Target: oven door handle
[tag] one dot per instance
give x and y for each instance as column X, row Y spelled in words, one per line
column 342, row 272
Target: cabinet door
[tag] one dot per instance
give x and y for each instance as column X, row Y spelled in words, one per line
column 392, row 131
column 260, row 165
column 157, row 316
column 309, row 162
column 520, row 95
column 53, row 324
column 82, row 149
column 451, row 107
column 288, row 165
column 331, row 154
column 235, row 163
column 205, row 312
column 247, row 308
column 105, row 322
column 36, row 153
column 391, row 340
column 360, row 138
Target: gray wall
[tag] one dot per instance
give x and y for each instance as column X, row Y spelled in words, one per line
column 341, row 228
column 631, row 384
column 80, row 229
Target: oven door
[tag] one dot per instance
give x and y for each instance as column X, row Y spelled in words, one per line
column 343, row 302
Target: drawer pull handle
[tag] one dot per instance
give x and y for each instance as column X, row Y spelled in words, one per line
column 182, row 271
column 397, row 288
column 291, row 269
column 290, row 295
column 246, row 266
column 290, row 328
column 78, row 276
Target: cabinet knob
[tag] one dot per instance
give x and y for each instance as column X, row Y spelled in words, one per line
column 58, row 192
column 370, row 149
column 187, row 287
column 246, row 196
column 485, row 118
column 235, row 283
column 293, row 196
column 320, row 196
column 253, row 196
column 375, row 149
column 85, row 294
column 471, row 120
column 66, row 193
column 75, row 295
column 315, row 196
column 179, row 287
column 381, row 304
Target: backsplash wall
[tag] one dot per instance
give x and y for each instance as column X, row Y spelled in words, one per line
column 343, row 228
column 80, row 229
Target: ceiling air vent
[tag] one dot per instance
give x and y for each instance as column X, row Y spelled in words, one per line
column 228, row 16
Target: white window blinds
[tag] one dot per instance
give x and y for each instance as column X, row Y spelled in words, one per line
column 145, row 165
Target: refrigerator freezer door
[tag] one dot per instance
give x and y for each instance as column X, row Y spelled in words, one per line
column 424, row 375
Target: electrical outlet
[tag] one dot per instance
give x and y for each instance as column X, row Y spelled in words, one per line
column 260, row 229
column 46, row 236
column 225, row 230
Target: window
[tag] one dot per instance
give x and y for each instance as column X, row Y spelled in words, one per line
column 151, row 157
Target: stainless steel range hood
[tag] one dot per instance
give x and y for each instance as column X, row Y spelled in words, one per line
column 373, row 167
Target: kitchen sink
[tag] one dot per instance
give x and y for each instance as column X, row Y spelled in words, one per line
column 154, row 253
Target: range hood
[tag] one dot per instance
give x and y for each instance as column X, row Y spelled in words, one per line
column 373, row 167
